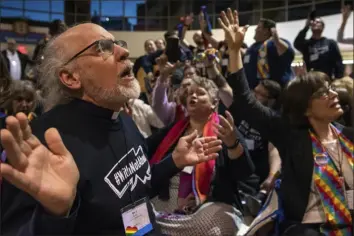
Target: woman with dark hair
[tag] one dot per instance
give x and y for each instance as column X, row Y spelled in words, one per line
column 317, row 156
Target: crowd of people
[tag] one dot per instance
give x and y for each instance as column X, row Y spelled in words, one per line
column 191, row 139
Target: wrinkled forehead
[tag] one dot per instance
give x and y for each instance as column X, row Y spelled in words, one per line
column 81, row 36
column 194, row 86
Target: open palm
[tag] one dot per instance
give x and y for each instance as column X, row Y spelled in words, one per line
column 192, row 150
column 50, row 176
column 234, row 34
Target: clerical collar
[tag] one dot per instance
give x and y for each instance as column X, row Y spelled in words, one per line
column 95, row 110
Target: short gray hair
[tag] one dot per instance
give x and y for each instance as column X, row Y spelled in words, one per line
column 54, row 92
column 21, row 88
column 208, row 85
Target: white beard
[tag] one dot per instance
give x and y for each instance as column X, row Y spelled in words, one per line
column 115, row 97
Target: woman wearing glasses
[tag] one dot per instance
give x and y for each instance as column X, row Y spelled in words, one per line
column 317, row 156
column 100, row 184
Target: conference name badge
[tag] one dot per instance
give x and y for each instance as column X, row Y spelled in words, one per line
column 321, row 159
column 246, row 59
column 136, row 218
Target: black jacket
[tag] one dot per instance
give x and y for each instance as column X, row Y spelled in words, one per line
column 114, row 172
column 326, row 56
column 293, row 143
column 24, row 59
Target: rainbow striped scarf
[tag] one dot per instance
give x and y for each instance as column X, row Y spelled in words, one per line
column 329, row 186
column 262, row 62
column 202, row 173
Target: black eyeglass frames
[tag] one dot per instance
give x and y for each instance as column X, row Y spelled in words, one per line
column 104, row 46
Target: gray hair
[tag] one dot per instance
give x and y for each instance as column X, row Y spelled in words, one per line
column 54, row 91
column 21, row 89
column 209, row 86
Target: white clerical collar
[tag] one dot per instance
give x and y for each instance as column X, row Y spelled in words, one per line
column 115, row 115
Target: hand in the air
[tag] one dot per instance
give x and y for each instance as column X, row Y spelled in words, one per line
column 234, row 34
column 165, row 67
column 225, row 129
column 49, row 176
column 346, row 11
column 275, row 34
column 192, row 150
column 188, row 20
column 202, row 22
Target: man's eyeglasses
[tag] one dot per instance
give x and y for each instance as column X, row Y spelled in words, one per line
column 104, row 46
column 323, row 92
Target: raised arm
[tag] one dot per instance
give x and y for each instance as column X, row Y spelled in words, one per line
column 281, row 46
column 245, row 106
column 203, row 25
column 225, row 91
column 188, row 20
column 164, row 109
column 346, row 11
column 300, row 40
column 337, row 60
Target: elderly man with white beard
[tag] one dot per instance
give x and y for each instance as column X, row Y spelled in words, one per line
column 82, row 168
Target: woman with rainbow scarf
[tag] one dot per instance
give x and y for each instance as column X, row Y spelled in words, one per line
column 317, row 155
column 203, row 199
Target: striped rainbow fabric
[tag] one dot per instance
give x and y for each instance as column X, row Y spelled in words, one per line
column 203, row 172
column 329, row 186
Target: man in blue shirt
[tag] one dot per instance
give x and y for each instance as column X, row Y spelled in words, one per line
column 269, row 57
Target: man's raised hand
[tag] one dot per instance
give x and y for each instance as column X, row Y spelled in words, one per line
column 191, row 150
column 49, row 176
column 234, row 34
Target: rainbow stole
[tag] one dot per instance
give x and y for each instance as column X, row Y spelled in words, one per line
column 203, row 172
column 329, row 186
column 262, row 62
